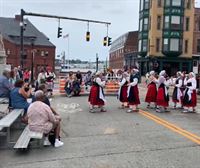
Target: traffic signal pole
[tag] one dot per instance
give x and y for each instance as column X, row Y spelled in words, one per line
column 23, row 13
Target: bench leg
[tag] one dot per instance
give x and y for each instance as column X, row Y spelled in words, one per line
column 8, row 137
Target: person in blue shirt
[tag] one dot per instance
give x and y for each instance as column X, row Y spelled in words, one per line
column 19, row 95
column 5, row 85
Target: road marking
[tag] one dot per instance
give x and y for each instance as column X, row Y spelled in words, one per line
column 173, row 127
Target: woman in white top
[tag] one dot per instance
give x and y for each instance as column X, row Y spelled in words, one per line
column 190, row 95
column 96, row 96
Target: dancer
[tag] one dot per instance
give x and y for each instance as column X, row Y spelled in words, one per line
column 133, row 92
column 190, row 96
column 177, row 93
column 122, row 93
column 152, row 90
column 96, row 97
column 162, row 98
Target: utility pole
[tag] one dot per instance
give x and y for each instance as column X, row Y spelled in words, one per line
column 97, row 62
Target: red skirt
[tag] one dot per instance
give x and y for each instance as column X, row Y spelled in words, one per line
column 193, row 102
column 151, row 93
column 160, row 99
column 123, row 94
column 94, row 97
column 133, row 98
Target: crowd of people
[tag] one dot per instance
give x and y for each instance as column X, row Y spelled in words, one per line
column 38, row 113
column 184, row 94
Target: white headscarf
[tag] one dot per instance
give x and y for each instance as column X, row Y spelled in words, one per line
column 162, row 73
column 152, row 73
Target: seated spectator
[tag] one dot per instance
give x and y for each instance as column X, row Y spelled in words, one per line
column 76, row 87
column 19, row 95
column 69, row 85
column 43, row 88
column 41, row 119
column 5, row 86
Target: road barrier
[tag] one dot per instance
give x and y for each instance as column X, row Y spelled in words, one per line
column 111, row 87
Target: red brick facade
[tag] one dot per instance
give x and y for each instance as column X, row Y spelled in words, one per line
column 196, row 46
column 125, row 44
column 13, row 56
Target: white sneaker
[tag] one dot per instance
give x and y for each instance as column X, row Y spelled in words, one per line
column 46, row 142
column 58, row 143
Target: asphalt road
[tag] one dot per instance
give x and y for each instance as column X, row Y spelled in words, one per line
column 115, row 139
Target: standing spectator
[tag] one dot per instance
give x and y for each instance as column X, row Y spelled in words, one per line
column 41, row 77
column 20, row 72
column 42, row 119
column 88, row 80
column 26, row 75
column 5, row 85
column 50, row 76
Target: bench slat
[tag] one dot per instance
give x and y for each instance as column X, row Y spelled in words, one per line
column 10, row 118
column 25, row 138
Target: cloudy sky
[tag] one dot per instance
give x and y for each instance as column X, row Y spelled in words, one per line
column 123, row 15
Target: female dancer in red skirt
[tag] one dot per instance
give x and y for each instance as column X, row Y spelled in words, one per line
column 162, row 98
column 96, row 96
column 190, row 95
column 122, row 93
column 133, row 92
column 177, row 93
column 152, row 90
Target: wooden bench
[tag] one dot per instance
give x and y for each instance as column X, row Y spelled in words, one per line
column 8, row 120
column 25, row 137
column 4, row 100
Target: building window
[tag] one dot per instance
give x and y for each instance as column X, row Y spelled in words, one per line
column 146, row 20
column 140, row 45
column 166, row 44
column 198, row 45
column 141, row 4
column 141, row 23
column 166, row 22
column 176, row 2
column 146, row 4
column 144, row 45
column 159, row 3
column 174, row 44
column 167, row 2
column 158, row 22
column 186, row 46
column 175, row 22
column 150, row 22
column 188, row 5
column 157, row 45
column 199, row 25
column 187, row 24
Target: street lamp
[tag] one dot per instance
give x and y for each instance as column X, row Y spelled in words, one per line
column 32, row 60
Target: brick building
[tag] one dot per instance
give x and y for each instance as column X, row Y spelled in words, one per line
column 123, row 51
column 196, row 40
column 34, row 40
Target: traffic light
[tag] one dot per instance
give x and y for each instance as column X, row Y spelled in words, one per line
column 87, row 36
column 105, row 41
column 109, row 41
column 59, row 32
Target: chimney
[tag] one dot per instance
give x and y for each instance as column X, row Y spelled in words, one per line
column 18, row 17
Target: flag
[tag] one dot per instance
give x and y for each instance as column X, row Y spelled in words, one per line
column 66, row 36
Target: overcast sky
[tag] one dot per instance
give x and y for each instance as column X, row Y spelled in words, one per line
column 123, row 15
